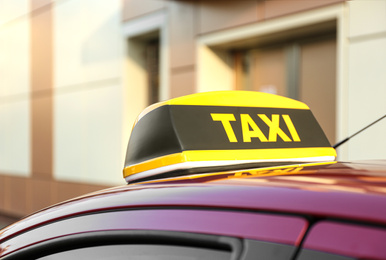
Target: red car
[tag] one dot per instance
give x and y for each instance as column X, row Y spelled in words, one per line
column 215, row 176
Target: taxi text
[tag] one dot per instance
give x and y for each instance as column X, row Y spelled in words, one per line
column 251, row 130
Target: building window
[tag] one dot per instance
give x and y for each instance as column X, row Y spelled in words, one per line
column 302, row 68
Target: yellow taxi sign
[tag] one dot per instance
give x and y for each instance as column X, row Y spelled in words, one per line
column 220, row 129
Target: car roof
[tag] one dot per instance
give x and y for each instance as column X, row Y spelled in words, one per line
column 349, row 191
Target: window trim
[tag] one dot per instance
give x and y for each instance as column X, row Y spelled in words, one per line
column 134, row 78
column 148, row 24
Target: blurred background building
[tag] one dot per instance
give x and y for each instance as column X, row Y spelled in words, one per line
column 74, row 74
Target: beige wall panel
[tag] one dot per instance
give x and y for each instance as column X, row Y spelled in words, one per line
column 366, row 78
column 135, row 8
column 367, row 17
column 13, row 9
column 275, row 8
column 88, row 94
column 15, row 137
column 366, row 100
column 183, row 83
column 218, row 15
column 15, row 195
column 183, row 26
column 39, row 195
column 88, row 44
column 88, row 136
column 15, row 57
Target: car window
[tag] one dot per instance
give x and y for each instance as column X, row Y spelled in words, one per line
column 254, row 249
column 147, row 244
column 318, row 255
column 133, row 244
column 141, row 252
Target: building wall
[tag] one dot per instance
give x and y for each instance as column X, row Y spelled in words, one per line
column 87, row 84
column 14, row 89
column 72, row 79
column 15, row 134
column 60, row 99
column 366, row 74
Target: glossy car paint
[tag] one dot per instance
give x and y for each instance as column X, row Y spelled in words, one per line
column 363, row 242
column 341, row 191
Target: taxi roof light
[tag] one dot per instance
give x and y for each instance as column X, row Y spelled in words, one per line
column 223, row 129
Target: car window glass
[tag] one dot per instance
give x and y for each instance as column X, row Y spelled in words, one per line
column 317, row 255
column 140, row 252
